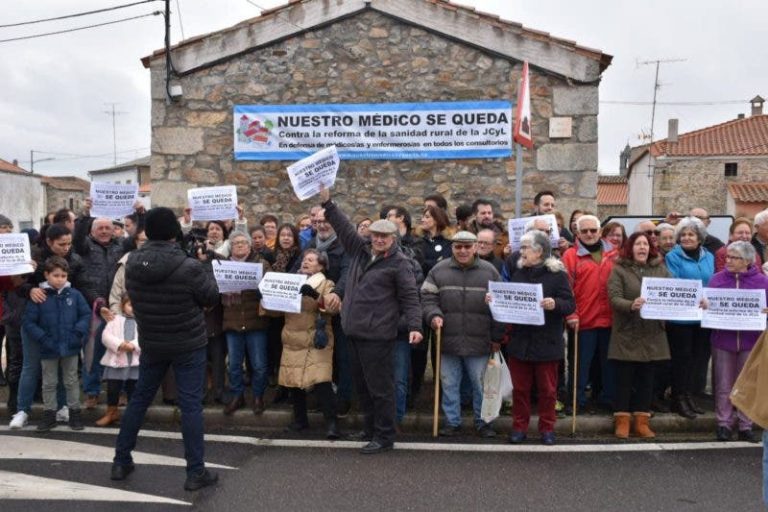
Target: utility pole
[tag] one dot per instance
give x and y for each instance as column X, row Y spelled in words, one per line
column 32, row 160
column 656, row 86
column 114, row 113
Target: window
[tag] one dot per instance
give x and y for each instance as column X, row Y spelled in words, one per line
column 731, row 169
column 127, row 182
column 71, row 203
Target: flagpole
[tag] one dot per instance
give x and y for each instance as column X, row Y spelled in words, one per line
column 518, row 180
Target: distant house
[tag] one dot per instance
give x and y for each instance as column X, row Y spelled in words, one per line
column 65, row 192
column 723, row 168
column 135, row 171
column 22, row 197
column 611, row 196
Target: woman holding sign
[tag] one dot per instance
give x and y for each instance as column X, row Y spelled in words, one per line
column 245, row 331
column 635, row 343
column 731, row 348
column 535, row 351
column 688, row 341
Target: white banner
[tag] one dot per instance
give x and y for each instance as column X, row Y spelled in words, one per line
column 516, row 229
column 671, row 299
column 236, row 276
column 15, row 254
column 307, row 174
column 375, row 131
column 734, row 309
column 113, row 200
column 280, row 291
column 516, row 303
column 213, row 203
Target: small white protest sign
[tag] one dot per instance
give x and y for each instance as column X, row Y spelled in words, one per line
column 517, row 303
column 236, row 276
column 113, row 200
column 516, row 229
column 14, row 254
column 309, row 173
column 213, row 203
column 734, row 309
column 280, row 291
column 671, row 299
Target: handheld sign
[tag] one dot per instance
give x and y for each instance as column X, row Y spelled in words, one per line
column 237, row 276
column 113, row 200
column 213, row 203
column 14, row 254
column 308, row 174
column 734, row 309
column 516, row 303
column 516, row 228
column 670, row 299
column 280, row 291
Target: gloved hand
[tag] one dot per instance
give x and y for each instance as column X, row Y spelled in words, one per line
column 321, row 338
column 257, row 293
column 308, row 291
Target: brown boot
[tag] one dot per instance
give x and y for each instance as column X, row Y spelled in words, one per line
column 234, row 404
column 111, row 416
column 621, row 422
column 641, row 428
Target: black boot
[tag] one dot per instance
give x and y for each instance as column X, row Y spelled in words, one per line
column 680, row 406
column 331, row 429
column 48, row 422
column 692, row 405
column 75, row 419
column 300, row 420
column 3, row 380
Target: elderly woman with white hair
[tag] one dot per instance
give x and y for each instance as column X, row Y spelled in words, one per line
column 730, row 348
column 535, row 351
column 688, row 341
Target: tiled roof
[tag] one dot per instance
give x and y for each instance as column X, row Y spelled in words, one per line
column 749, row 192
column 492, row 19
column 738, row 137
column 68, row 183
column 612, row 190
column 12, row 168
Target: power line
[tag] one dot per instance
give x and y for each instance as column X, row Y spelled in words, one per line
column 86, row 13
column 278, row 17
column 676, row 103
column 181, row 24
column 156, row 13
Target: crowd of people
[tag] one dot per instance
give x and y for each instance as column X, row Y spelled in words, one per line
column 122, row 302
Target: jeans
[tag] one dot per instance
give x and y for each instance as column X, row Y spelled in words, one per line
column 30, row 374
column 92, row 379
column 728, row 365
column 451, row 370
column 524, row 374
column 342, row 368
column 591, row 340
column 402, row 372
column 255, row 343
column 189, row 370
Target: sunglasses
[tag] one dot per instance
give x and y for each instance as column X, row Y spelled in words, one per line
column 588, row 230
column 651, row 232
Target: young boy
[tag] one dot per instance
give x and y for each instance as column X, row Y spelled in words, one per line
column 58, row 325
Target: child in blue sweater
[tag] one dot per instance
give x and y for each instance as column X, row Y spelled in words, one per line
column 59, row 325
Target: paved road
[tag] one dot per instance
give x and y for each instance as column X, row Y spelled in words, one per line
column 280, row 473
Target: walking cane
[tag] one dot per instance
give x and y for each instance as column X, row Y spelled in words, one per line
column 575, row 376
column 437, row 347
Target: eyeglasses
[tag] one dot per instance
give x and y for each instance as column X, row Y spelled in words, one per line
column 526, row 247
column 483, row 242
column 463, row 247
column 729, row 257
column 652, row 232
column 588, row 230
column 241, row 242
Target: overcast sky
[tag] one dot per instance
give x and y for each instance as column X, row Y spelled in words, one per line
column 54, row 91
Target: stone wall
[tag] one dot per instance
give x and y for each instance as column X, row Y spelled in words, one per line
column 681, row 184
column 56, row 199
column 368, row 58
column 605, row 211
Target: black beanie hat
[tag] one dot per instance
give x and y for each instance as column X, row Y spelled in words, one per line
column 161, row 224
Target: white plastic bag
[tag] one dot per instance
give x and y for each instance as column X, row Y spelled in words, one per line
column 497, row 387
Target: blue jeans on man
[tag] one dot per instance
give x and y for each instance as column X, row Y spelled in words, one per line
column 92, row 378
column 30, row 375
column 254, row 343
column 591, row 340
column 451, row 369
column 402, row 377
column 189, row 370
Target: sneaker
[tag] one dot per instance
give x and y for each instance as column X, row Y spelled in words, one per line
column 200, row 480
column 449, row 431
column 48, row 422
column 62, row 415
column 486, row 431
column 19, row 420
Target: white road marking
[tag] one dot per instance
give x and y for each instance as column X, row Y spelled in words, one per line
column 38, row 448
column 447, row 447
column 20, row 486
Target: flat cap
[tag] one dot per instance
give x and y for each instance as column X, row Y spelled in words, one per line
column 465, row 237
column 383, row 227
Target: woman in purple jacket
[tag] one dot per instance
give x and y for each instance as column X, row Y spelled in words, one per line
column 730, row 348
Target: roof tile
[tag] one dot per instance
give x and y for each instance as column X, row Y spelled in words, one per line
column 749, row 192
column 737, row 137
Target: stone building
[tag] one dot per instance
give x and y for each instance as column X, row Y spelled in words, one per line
column 611, row 196
column 65, row 192
column 22, row 198
column 374, row 51
column 705, row 168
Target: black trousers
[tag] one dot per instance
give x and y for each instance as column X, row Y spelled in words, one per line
column 634, row 386
column 217, row 354
column 689, row 346
column 325, row 399
column 373, row 370
column 115, row 386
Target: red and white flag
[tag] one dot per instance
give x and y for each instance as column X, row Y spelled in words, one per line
column 522, row 132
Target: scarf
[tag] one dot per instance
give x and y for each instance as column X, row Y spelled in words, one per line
column 323, row 245
column 282, row 258
column 129, row 333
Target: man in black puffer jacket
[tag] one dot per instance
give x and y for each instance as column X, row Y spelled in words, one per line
column 168, row 291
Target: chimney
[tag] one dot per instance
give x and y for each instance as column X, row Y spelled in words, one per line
column 15, row 162
column 672, row 130
column 740, row 116
column 757, row 105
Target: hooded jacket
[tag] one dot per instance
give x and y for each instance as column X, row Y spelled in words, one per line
column 59, row 324
column 168, row 292
column 752, row 279
column 682, row 266
column 589, row 282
